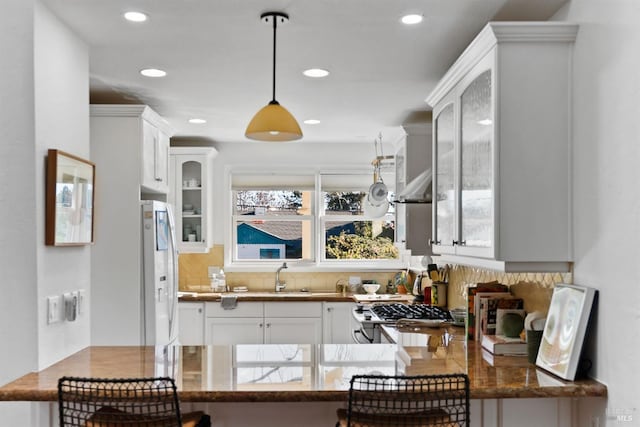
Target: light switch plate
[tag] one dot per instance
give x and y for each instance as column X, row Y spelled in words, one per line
column 53, row 309
column 82, row 300
column 212, row 270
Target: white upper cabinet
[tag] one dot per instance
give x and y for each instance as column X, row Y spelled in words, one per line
column 155, row 158
column 191, row 185
column 144, row 138
column 501, row 150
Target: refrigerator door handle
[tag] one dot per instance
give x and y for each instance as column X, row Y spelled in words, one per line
column 173, row 294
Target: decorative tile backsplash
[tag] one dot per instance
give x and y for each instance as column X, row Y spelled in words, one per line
column 193, row 275
column 534, row 288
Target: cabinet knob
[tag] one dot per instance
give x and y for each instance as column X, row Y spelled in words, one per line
column 434, row 242
column 329, row 309
column 199, row 310
column 268, row 325
column 260, row 325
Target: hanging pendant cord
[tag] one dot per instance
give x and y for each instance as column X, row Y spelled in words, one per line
column 275, row 19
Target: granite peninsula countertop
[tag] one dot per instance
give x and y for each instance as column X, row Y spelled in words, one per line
column 298, row 372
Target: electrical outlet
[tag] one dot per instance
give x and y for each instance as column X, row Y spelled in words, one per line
column 53, row 309
column 70, row 306
column 212, row 270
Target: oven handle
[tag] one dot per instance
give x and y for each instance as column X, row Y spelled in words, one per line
column 354, row 335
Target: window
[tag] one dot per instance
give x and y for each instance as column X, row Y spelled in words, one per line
column 316, row 218
column 347, row 232
column 273, row 217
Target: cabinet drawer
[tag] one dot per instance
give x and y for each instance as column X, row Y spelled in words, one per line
column 293, row 309
column 243, row 309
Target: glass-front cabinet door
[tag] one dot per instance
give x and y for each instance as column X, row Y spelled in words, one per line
column 192, row 201
column 464, row 169
column 191, row 172
column 444, row 200
column 476, row 164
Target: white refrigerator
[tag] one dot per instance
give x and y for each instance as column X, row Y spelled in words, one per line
column 134, row 274
column 159, row 275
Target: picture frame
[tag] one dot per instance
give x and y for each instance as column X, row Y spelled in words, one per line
column 70, row 184
column 565, row 329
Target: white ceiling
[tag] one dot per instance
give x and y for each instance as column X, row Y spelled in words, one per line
column 217, row 54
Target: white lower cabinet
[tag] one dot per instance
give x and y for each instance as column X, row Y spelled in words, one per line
column 234, row 330
column 533, row 412
column 337, row 322
column 292, row 330
column 264, row 323
column 191, row 323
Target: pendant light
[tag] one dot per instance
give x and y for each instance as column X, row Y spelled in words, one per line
column 273, row 122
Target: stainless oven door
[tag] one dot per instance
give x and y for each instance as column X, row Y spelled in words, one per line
column 366, row 330
column 368, row 333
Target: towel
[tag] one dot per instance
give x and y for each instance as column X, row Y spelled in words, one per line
column 228, row 302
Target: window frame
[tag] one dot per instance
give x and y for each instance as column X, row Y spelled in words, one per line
column 318, row 232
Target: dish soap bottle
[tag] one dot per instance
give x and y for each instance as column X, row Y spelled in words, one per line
column 222, row 282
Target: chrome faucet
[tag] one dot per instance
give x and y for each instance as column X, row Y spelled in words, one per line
column 280, row 286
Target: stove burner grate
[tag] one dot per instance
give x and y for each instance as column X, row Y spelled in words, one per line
column 389, row 312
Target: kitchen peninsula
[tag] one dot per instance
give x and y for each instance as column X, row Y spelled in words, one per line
column 290, row 382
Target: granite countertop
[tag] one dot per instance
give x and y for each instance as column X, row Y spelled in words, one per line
column 300, row 372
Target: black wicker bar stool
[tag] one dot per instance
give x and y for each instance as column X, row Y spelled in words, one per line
column 100, row 402
column 407, row 401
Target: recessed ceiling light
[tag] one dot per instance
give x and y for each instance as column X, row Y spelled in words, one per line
column 485, row 122
column 411, row 19
column 135, row 16
column 153, row 72
column 311, row 122
column 315, row 72
column 197, row 121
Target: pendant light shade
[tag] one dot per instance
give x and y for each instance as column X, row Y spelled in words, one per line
column 273, row 122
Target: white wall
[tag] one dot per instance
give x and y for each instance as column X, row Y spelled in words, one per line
column 606, row 195
column 62, row 122
column 37, row 111
column 17, row 202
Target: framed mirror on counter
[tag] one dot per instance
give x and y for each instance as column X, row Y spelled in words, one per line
column 565, row 330
column 69, row 200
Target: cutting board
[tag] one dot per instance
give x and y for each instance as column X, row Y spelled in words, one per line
column 383, row 297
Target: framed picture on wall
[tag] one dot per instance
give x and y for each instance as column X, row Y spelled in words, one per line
column 69, row 200
column 565, row 329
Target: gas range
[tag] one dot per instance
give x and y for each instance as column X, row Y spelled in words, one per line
column 393, row 312
column 371, row 316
